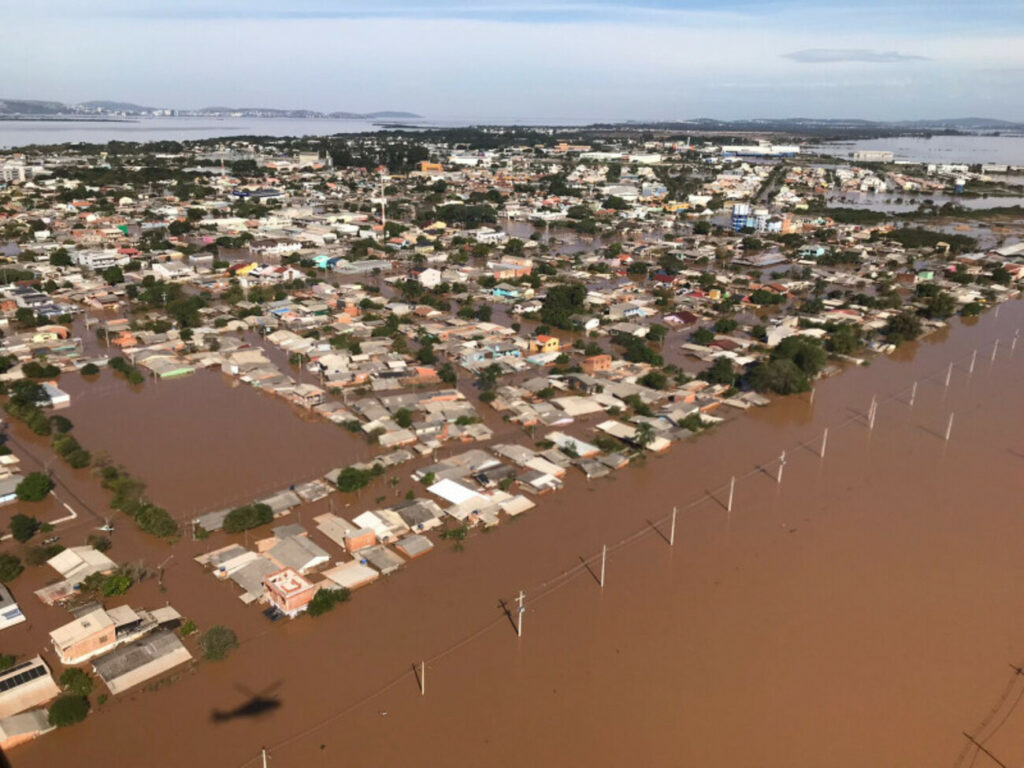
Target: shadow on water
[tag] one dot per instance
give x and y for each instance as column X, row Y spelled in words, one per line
column 256, row 705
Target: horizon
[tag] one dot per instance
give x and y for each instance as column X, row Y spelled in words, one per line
column 599, row 60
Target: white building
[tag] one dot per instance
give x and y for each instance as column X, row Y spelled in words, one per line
column 97, row 260
column 10, row 613
column 429, row 278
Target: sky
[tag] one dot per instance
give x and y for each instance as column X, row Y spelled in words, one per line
column 527, row 60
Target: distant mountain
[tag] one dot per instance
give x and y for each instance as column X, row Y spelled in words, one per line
column 828, row 128
column 300, row 113
column 374, row 115
column 29, row 107
column 114, row 106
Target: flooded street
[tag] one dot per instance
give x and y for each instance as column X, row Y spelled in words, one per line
column 865, row 611
column 205, row 441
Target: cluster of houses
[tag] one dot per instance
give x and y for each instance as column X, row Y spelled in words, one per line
column 124, row 646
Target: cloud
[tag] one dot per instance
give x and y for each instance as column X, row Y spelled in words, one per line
column 833, row 55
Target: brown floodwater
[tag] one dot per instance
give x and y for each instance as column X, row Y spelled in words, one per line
column 205, row 441
column 865, row 611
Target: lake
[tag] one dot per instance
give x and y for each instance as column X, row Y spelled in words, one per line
column 1008, row 150
column 20, row 133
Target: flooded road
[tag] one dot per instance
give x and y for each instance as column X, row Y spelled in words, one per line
column 862, row 612
column 205, row 441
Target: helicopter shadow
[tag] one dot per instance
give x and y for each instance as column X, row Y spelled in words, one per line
column 255, row 705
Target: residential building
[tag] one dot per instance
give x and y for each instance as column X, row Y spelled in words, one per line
column 10, row 613
column 288, row 591
column 26, row 685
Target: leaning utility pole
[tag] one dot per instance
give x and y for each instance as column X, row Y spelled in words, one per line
column 672, row 530
column 949, row 427
column 978, row 744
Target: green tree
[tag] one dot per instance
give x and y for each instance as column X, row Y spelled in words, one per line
column 246, row 517
column 781, row 376
column 905, row 326
column 805, row 352
column 23, row 527
column 403, row 418
column 113, row 275
column 34, row 487
column 325, row 600
column 702, row 336
column 654, row 380
column 68, row 710
column 940, row 306
column 76, row 682
column 351, row 479
column 10, row 567
column 719, row 372
column 644, row 434
column 217, row 642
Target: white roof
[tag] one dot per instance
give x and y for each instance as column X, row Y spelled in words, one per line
column 453, row 492
column 351, row 575
column 82, row 627
column 75, row 563
column 370, row 520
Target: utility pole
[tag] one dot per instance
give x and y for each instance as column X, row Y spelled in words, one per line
column 423, row 678
column 913, row 394
column 732, row 491
column 949, row 374
column 824, row 442
column 782, row 464
column 812, row 396
column 265, row 756
column 604, row 558
column 871, row 412
column 519, row 617
column 949, row 427
column 672, row 530
column 976, row 743
column 995, row 349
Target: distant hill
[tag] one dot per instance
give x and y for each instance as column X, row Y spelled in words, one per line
column 301, row 113
column 374, row 115
column 29, row 107
column 114, row 106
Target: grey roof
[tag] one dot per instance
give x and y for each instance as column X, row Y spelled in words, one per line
column 6, row 598
column 130, row 657
column 285, row 531
column 414, row 544
column 381, row 558
column 296, row 552
column 250, row 577
column 418, row 511
column 9, row 484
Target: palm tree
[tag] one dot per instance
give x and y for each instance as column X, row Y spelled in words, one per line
column 644, row 434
